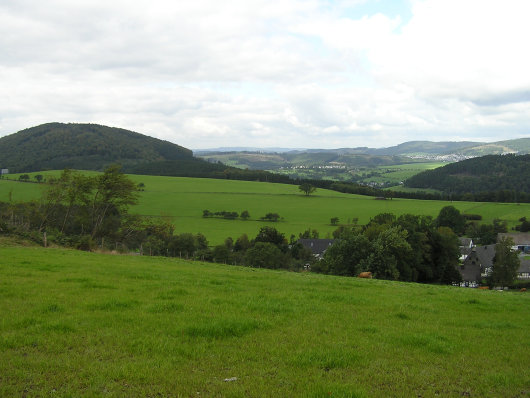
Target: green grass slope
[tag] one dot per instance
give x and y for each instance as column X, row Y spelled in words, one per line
column 182, row 201
column 85, row 324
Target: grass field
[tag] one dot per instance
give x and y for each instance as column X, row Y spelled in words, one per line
column 182, row 200
column 85, row 324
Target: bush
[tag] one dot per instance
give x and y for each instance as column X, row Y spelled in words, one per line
column 85, row 243
column 271, row 217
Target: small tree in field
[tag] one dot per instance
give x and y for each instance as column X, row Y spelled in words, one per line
column 245, row 215
column 307, row 188
column 274, row 217
column 334, row 220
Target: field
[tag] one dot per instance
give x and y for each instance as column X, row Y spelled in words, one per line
column 87, row 324
column 182, row 201
column 398, row 173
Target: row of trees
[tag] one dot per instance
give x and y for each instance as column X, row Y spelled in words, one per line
column 229, row 215
column 407, row 248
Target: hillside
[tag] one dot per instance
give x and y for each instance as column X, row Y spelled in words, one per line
column 87, row 324
column 491, row 173
column 362, row 156
column 520, row 146
column 82, row 146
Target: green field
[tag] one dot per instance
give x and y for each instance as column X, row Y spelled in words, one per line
column 182, row 201
column 86, row 324
column 396, row 174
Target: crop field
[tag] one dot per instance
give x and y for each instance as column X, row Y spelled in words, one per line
column 87, row 324
column 182, row 201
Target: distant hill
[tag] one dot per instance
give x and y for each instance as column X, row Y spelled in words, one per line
column 504, row 175
column 83, row 146
column 520, row 146
column 427, row 149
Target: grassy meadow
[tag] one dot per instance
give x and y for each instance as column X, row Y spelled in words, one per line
column 182, row 201
column 85, row 324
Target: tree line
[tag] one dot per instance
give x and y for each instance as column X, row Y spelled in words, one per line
column 406, row 248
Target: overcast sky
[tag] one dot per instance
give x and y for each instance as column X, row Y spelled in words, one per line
column 262, row 73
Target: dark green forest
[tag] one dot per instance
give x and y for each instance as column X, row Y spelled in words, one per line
column 55, row 146
column 500, row 178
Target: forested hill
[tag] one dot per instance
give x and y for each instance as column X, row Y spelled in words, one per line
column 84, row 147
column 491, row 173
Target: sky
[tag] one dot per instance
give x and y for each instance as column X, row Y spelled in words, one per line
column 262, row 73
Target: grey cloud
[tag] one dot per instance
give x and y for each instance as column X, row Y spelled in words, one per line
column 503, row 98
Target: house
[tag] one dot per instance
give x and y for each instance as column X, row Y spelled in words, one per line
column 521, row 241
column 4, row 171
column 477, row 265
column 317, row 246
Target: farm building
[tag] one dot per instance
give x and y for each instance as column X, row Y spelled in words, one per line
column 521, row 241
column 479, row 264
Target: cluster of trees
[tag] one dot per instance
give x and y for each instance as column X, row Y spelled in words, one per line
column 78, row 209
column 245, row 215
column 524, row 226
column 407, row 248
column 269, row 249
column 229, row 215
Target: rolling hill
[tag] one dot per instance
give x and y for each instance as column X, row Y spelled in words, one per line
column 491, row 173
column 83, row 146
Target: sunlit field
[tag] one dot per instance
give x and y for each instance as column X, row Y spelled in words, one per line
column 182, row 201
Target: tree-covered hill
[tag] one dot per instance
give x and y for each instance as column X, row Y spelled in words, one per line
column 492, row 173
column 82, row 146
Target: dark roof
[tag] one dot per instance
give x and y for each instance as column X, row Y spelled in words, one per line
column 520, row 239
column 317, row 246
column 465, row 251
column 485, row 255
column 465, row 242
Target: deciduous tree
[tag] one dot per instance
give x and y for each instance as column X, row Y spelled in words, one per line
column 505, row 264
column 307, row 188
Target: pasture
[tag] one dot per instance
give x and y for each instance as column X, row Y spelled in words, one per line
column 182, row 201
column 87, row 324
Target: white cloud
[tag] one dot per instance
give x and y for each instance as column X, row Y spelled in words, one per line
column 291, row 73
